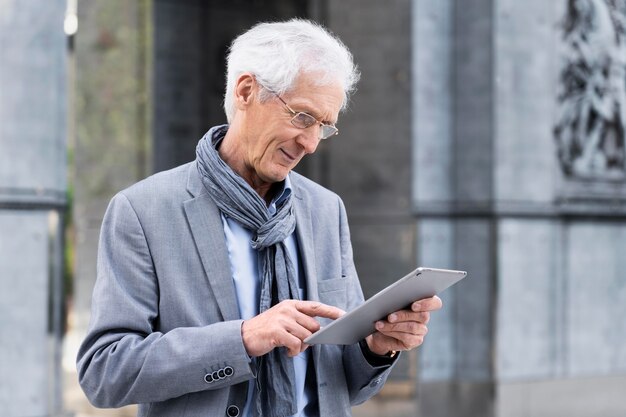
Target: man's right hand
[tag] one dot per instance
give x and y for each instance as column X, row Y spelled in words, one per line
column 286, row 324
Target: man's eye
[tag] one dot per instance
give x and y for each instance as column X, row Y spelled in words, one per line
column 305, row 120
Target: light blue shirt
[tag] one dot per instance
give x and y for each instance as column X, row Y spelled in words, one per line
column 244, row 266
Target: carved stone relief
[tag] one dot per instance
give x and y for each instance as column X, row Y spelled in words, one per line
column 591, row 122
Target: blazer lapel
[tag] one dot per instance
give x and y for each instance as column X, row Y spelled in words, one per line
column 207, row 229
column 304, row 233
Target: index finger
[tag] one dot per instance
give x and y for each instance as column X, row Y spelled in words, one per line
column 317, row 309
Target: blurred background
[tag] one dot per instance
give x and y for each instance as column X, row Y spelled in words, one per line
column 486, row 135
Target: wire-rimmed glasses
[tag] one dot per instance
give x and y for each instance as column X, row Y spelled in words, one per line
column 303, row 120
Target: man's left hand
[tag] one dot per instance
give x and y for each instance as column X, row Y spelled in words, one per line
column 403, row 329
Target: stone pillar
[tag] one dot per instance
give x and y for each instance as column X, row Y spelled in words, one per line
column 452, row 193
column 532, row 330
column 32, row 201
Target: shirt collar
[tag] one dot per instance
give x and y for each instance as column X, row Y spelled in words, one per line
column 281, row 196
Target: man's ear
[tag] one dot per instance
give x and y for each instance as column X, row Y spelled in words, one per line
column 245, row 91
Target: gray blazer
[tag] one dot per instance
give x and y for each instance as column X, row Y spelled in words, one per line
column 164, row 311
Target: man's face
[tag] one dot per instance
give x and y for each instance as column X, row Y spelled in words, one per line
column 273, row 145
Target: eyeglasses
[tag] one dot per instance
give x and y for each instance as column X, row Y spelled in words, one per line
column 303, row 120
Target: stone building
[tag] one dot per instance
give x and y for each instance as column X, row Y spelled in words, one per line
column 486, row 135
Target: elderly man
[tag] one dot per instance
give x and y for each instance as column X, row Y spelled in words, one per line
column 211, row 275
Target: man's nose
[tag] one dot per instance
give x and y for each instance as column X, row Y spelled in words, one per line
column 309, row 138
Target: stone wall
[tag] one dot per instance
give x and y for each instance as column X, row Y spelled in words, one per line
column 534, row 329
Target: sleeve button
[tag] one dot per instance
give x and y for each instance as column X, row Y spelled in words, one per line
column 232, row 411
column 208, row 378
column 229, row 371
column 215, row 376
column 221, row 374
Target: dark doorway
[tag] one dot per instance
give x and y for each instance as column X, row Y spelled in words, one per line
column 191, row 38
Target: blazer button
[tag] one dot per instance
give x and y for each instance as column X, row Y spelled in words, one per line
column 208, row 378
column 215, row 376
column 221, row 374
column 232, row 411
column 228, row 371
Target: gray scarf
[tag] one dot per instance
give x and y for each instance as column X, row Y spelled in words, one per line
column 275, row 394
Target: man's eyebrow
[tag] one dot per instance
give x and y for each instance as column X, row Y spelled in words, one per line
column 307, row 109
column 315, row 114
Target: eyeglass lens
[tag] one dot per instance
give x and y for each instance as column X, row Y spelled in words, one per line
column 303, row 120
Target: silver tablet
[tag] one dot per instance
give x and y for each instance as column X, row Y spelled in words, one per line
column 359, row 323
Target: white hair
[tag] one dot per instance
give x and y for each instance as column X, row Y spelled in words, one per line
column 276, row 53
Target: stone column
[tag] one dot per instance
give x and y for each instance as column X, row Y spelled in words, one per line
column 32, row 201
column 452, row 196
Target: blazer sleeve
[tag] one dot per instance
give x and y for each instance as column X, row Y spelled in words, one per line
column 364, row 379
column 123, row 359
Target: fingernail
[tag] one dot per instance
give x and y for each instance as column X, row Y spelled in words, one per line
column 416, row 307
column 392, row 318
column 379, row 325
